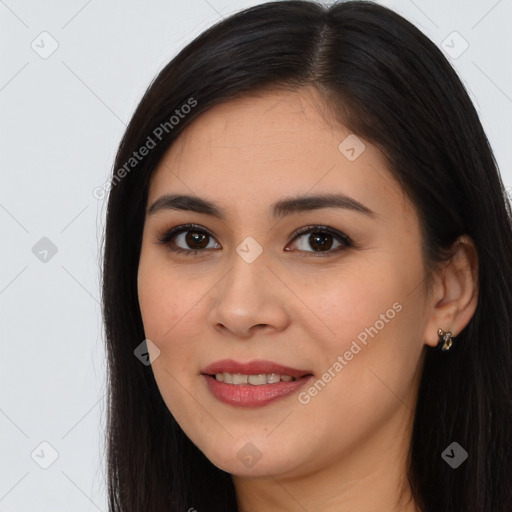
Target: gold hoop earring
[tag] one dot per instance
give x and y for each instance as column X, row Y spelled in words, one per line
column 446, row 338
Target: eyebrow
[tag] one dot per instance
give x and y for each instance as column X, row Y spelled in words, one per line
column 279, row 209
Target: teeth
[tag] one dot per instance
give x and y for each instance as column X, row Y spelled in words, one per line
column 255, row 380
column 238, row 378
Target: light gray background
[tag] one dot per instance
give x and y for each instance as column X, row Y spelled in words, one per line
column 61, row 120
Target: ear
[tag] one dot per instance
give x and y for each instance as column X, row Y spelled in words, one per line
column 454, row 294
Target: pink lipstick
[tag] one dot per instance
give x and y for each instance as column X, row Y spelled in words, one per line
column 253, row 384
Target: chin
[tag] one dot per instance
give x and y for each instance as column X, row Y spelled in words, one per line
column 249, row 459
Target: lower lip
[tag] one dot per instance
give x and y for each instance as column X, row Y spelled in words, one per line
column 247, row 395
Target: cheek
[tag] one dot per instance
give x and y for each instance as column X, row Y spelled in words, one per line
column 167, row 309
column 371, row 335
column 166, row 301
column 351, row 304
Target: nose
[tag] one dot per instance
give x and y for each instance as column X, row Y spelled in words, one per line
column 250, row 299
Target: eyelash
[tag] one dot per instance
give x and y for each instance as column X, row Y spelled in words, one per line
column 346, row 241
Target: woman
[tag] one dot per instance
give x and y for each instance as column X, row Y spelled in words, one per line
column 306, row 284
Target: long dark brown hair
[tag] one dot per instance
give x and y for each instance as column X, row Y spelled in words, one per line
column 391, row 85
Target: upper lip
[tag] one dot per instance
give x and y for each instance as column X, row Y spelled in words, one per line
column 255, row 367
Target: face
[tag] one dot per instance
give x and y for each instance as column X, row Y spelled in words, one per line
column 331, row 291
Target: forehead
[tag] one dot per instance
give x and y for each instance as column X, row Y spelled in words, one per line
column 268, row 145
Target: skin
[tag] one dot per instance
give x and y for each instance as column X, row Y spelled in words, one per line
column 345, row 450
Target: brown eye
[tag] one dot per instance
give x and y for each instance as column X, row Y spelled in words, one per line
column 188, row 239
column 194, row 237
column 321, row 239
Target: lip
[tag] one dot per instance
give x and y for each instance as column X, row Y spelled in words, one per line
column 247, row 395
column 253, row 368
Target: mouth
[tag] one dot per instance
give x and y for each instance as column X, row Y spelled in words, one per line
column 253, row 384
column 256, row 372
column 259, row 379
